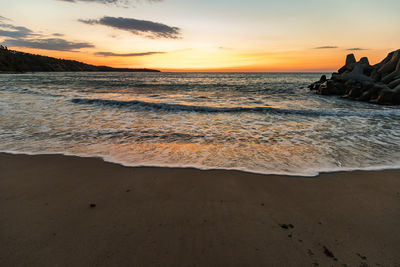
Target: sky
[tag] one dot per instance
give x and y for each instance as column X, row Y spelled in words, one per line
column 207, row 35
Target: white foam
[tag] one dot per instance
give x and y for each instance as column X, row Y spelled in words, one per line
column 304, row 173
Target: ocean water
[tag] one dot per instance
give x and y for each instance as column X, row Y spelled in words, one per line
column 258, row 122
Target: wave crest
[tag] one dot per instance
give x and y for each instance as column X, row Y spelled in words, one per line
column 141, row 105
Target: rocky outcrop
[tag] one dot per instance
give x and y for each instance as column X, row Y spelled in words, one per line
column 378, row 84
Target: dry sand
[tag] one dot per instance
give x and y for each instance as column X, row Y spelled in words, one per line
column 187, row 217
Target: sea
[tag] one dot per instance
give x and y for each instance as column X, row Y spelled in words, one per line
column 267, row 123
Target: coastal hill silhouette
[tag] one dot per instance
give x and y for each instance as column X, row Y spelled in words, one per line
column 18, row 62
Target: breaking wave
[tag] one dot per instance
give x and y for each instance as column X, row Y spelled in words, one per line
column 206, row 109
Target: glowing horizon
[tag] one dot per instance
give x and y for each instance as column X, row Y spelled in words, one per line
column 176, row 35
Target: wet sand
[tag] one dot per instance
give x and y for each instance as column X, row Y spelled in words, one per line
column 70, row 211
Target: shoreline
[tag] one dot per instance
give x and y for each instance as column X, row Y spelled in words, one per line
column 186, row 217
column 243, row 170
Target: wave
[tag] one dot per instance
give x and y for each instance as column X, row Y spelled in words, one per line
column 308, row 172
column 141, row 105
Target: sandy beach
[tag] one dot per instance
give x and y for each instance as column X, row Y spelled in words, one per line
column 70, row 211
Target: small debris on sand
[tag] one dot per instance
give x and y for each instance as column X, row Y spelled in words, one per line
column 310, row 253
column 361, row 256
column 286, row 226
column 328, row 253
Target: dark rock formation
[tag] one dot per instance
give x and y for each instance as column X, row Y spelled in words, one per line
column 378, row 84
column 15, row 62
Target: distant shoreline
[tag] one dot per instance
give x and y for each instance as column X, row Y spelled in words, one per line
column 160, row 71
column 95, row 71
column 12, row 61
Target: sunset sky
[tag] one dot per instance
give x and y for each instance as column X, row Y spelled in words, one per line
column 218, row 35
